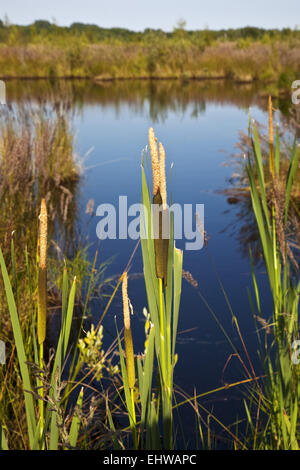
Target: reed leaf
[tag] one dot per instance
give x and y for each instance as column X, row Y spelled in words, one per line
column 29, row 403
column 293, row 167
column 75, row 425
column 3, row 441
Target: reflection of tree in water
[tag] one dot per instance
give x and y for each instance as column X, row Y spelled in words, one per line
column 154, row 97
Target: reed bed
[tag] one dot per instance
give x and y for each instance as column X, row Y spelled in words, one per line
column 279, row 401
column 158, row 59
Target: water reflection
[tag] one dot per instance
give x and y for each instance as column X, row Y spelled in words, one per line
column 163, row 95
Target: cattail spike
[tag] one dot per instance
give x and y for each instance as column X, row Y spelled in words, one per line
column 125, row 301
column 154, row 159
column 271, row 134
column 162, row 174
column 42, row 280
column 43, row 234
column 271, row 138
column 161, row 225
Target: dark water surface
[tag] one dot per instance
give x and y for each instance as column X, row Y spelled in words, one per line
column 199, row 124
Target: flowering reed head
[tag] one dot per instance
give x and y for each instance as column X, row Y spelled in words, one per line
column 162, row 174
column 154, row 160
column 161, row 245
column 271, row 136
column 42, row 281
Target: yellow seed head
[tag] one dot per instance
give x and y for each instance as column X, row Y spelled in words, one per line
column 42, row 280
column 43, row 234
column 125, row 301
column 162, row 174
column 154, row 159
column 271, row 138
column 271, row 135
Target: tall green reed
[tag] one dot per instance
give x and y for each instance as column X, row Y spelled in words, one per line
column 162, row 267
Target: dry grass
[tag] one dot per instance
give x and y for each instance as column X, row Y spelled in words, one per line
column 164, row 59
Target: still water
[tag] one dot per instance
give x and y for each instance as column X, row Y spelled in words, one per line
column 199, row 124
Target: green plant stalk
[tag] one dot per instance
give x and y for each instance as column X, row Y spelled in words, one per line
column 29, row 403
column 129, row 398
column 42, row 310
column 41, row 390
column 129, row 357
column 162, row 330
column 165, row 370
column 163, row 317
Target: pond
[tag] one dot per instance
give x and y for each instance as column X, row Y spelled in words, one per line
column 198, row 122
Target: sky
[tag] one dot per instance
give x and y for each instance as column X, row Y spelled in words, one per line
column 140, row 14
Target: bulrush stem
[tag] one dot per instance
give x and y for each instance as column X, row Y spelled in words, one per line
column 128, row 335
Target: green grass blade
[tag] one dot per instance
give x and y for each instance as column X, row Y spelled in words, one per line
column 29, row 403
column 60, row 355
column 75, row 426
column 3, row 441
column 178, row 260
column 290, row 177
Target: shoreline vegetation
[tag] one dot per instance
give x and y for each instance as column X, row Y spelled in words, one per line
column 246, row 55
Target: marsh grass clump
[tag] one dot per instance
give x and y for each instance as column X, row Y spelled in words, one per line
column 276, row 150
column 38, row 183
column 271, row 200
column 36, row 160
column 244, row 55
